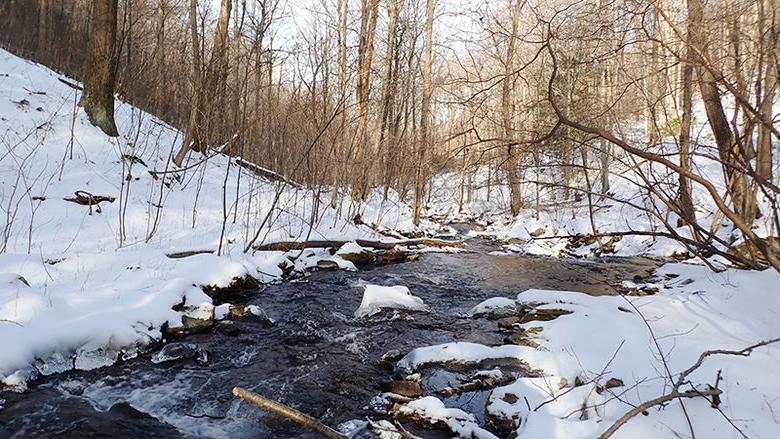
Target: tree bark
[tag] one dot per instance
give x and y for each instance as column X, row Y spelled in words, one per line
column 388, row 88
column 99, row 76
column 191, row 135
column 687, row 212
column 368, row 18
column 512, row 163
column 425, row 113
column 764, row 141
column 732, row 159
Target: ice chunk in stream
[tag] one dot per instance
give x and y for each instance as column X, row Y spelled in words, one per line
column 376, row 297
column 54, row 363
column 179, row 351
column 90, row 357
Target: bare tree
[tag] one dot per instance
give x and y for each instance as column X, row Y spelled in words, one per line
column 425, row 112
column 100, row 71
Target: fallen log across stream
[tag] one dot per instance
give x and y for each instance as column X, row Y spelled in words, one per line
column 380, row 245
column 300, row 245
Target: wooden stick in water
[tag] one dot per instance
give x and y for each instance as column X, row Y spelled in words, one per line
column 289, row 413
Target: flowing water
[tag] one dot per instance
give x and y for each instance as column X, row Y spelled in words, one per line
column 317, row 357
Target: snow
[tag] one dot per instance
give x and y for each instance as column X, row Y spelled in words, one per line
column 81, row 288
column 607, row 337
column 350, row 248
column 461, row 352
column 492, row 304
column 222, row 311
column 376, row 297
column 459, row 422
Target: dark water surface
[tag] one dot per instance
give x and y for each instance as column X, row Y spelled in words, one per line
column 317, row 357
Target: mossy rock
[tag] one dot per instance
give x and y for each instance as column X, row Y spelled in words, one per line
column 543, row 315
column 508, row 322
column 524, row 337
column 327, row 264
column 361, row 259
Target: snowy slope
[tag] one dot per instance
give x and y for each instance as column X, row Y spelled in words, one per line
column 80, row 288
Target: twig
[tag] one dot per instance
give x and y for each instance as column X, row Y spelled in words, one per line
column 712, row 392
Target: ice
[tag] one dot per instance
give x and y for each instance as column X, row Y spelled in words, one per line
column 89, row 357
column 179, row 351
column 376, row 297
column 54, row 363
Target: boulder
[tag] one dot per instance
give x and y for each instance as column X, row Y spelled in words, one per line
column 327, row 264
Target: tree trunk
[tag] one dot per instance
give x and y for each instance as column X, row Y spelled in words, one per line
column 732, row 159
column 512, row 163
column 764, row 147
column 43, row 30
column 99, row 76
column 191, row 135
column 388, row 88
column 425, row 112
column 687, row 213
column 368, row 18
column 216, row 74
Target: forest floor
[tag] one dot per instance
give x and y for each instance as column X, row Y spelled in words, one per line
column 83, row 286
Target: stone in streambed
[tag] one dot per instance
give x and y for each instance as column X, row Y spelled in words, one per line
column 327, row 264
column 410, row 389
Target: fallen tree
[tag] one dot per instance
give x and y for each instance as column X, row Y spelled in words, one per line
column 381, row 245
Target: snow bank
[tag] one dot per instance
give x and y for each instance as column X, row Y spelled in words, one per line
column 602, row 357
column 376, row 297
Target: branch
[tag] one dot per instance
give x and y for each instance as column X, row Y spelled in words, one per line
column 289, row 413
column 654, row 402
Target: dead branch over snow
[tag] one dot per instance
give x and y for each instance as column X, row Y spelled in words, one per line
column 712, row 392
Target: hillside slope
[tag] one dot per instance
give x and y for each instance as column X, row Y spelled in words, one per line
column 81, row 286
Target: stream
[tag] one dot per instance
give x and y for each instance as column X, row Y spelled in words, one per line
column 316, row 357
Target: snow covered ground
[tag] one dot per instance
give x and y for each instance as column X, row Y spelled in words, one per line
column 84, row 286
column 601, row 360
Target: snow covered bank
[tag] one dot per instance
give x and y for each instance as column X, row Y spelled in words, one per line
column 81, row 286
column 601, row 360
